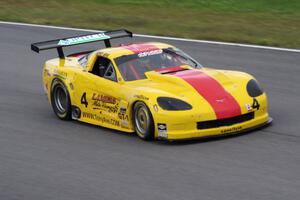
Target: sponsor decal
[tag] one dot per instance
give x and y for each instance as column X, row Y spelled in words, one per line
column 149, row 53
column 104, row 98
column 224, row 105
column 83, row 39
column 140, row 48
column 100, row 118
column 106, row 103
column 248, row 106
column 99, row 105
column 122, row 114
column 229, row 130
column 123, row 117
column 124, row 124
column 162, row 130
column 123, row 110
column 140, row 96
column 101, row 102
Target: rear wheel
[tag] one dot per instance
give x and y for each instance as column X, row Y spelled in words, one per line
column 143, row 121
column 60, row 100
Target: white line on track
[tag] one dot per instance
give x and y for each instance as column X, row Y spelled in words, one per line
column 159, row 37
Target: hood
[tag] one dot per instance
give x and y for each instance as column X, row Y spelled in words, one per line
column 205, row 89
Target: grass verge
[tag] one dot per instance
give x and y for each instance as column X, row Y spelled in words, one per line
column 263, row 22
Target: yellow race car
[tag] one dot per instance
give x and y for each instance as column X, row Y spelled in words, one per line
column 153, row 89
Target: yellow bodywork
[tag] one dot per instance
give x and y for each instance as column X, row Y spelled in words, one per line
column 109, row 104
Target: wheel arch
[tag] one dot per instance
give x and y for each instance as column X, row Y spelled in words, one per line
column 66, row 113
column 63, row 82
column 69, row 86
column 133, row 104
column 151, row 115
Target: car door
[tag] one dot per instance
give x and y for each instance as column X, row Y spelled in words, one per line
column 101, row 101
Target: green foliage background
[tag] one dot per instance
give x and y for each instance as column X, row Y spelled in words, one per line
column 264, row 22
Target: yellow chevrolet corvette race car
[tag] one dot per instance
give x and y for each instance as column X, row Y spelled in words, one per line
column 153, row 89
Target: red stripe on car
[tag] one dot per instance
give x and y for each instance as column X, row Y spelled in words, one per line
column 222, row 102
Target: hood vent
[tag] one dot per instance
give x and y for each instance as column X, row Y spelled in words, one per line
column 171, row 70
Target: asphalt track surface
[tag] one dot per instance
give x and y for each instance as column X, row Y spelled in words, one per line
column 42, row 157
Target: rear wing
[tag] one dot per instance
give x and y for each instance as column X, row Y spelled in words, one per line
column 82, row 39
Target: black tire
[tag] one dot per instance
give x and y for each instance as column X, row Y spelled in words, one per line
column 60, row 100
column 143, row 121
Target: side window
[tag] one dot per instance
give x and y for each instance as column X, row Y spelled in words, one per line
column 103, row 67
column 83, row 60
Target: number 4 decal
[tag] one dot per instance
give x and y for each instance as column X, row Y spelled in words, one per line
column 83, row 100
column 255, row 104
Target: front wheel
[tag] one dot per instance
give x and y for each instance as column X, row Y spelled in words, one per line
column 143, row 121
column 60, row 100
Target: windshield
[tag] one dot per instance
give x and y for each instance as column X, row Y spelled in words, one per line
column 133, row 67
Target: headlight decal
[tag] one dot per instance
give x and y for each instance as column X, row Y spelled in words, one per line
column 168, row 103
column 253, row 88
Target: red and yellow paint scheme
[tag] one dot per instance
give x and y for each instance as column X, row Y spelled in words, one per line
column 183, row 101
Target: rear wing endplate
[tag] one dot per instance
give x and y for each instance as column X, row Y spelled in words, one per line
column 82, row 39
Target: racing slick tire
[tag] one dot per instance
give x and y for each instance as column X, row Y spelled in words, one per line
column 143, row 121
column 60, row 100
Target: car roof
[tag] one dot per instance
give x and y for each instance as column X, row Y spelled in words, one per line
column 129, row 49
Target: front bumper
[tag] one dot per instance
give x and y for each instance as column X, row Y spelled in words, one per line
column 257, row 122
